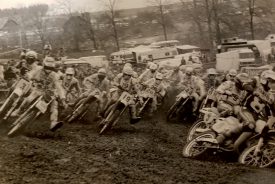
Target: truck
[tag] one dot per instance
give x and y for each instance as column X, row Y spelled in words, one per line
column 235, row 59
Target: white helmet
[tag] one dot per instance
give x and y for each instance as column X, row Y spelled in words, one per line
column 31, row 54
column 69, row 71
column 159, row 76
column 212, row 71
column 232, row 72
column 189, row 70
column 127, row 71
column 153, row 66
column 128, row 65
column 268, row 74
column 49, row 62
column 102, row 71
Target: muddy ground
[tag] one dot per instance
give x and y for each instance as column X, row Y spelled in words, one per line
column 148, row 152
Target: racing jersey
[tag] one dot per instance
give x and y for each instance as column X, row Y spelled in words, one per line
column 126, row 85
column 92, row 82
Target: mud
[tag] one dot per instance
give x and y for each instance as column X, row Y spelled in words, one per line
column 148, row 152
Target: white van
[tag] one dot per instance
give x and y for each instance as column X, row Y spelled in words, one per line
column 144, row 54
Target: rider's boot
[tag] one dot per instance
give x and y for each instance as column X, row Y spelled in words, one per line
column 133, row 113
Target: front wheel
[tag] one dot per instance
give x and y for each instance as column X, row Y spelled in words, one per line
column 195, row 147
column 264, row 158
column 108, row 123
column 172, row 111
column 196, row 129
column 19, row 127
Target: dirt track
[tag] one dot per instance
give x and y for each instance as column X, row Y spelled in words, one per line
column 149, row 152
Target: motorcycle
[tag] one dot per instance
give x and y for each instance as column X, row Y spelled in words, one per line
column 148, row 94
column 182, row 105
column 14, row 99
column 36, row 109
column 83, row 106
column 116, row 111
column 261, row 153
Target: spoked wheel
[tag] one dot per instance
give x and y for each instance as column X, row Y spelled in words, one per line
column 264, row 158
column 195, row 147
column 172, row 111
column 194, row 131
column 110, row 121
column 20, row 126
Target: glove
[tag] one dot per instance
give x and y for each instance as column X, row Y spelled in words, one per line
column 228, row 92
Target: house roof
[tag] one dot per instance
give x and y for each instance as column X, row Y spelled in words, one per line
column 5, row 23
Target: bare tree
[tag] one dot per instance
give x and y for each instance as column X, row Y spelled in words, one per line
column 90, row 29
column 111, row 13
column 66, row 6
column 161, row 14
column 251, row 10
column 38, row 15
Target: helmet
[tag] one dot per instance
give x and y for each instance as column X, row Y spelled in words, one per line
column 182, row 68
column 49, row 63
column 232, row 72
column 153, row 66
column 189, row 70
column 31, row 54
column 127, row 71
column 128, row 65
column 159, row 76
column 268, row 74
column 212, row 71
column 102, row 71
column 69, row 71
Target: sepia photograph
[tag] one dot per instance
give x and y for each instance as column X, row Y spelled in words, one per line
column 137, row 91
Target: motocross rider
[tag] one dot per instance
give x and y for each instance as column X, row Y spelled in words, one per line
column 211, row 79
column 71, row 85
column 45, row 81
column 148, row 73
column 257, row 101
column 229, row 94
column 157, row 85
column 125, row 82
column 98, row 81
column 194, row 85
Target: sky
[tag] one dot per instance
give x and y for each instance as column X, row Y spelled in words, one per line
column 87, row 5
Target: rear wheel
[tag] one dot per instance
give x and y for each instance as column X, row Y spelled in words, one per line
column 264, row 158
column 195, row 147
column 20, row 126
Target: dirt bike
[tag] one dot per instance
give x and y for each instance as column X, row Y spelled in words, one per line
column 38, row 108
column 148, row 95
column 209, row 101
column 10, row 104
column 255, row 147
column 83, row 106
column 261, row 152
column 115, row 111
column 183, row 105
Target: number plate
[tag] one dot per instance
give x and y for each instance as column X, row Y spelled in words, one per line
column 42, row 106
column 125, row 98
column 22, row 86
column 18, row 91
